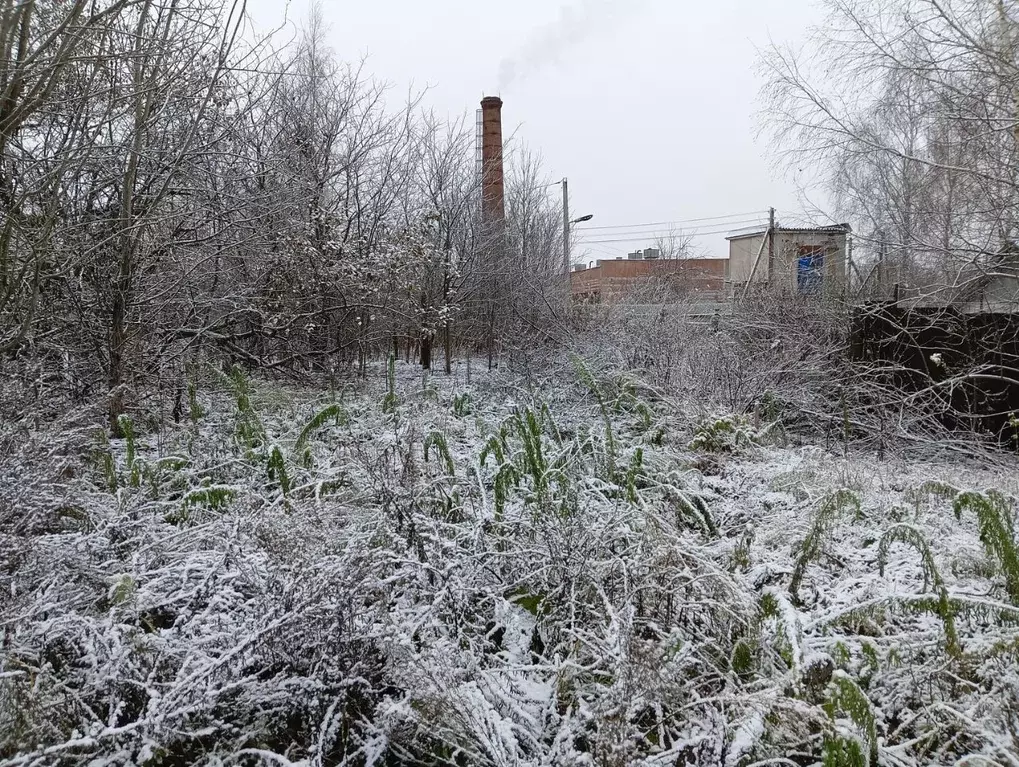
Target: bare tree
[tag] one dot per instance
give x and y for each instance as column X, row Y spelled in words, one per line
column 907, row 110
column 676, row 244
column 48, row 63
column 534, row 270
column 175, row 56
column 449, row 188
column 177, row 194
column 104, row 104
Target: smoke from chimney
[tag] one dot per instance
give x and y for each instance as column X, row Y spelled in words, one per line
column 548, row 43
column 493, row 207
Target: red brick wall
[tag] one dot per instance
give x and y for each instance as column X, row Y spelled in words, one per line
column 613, row 280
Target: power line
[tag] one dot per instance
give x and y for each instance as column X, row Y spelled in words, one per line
column 724, row 226
column 688, row 227
column 672, row 225
column 753, row 213
column 641, row 239
column 604, row 252
column 664, row 236
column 734, row 226
column 644, row 237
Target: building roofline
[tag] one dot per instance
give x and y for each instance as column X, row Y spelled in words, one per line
column 836, row 229
column 685, row 259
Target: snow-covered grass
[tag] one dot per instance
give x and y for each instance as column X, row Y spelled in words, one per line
column 554, row 569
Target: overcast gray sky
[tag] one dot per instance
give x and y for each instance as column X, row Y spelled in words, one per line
column 647, row 106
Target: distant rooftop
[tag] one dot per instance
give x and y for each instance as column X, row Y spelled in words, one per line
column 758, row 231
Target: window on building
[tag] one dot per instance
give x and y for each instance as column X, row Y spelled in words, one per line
column 810, row 269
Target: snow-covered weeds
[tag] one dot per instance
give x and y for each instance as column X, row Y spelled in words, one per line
column 492, row 574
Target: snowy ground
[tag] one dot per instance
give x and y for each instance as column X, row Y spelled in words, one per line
column 511, row 570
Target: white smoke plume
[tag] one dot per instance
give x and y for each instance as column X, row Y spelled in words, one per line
column 549, row 42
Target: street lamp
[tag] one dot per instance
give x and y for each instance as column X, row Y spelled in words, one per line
column 568, row 245
column 567, row 223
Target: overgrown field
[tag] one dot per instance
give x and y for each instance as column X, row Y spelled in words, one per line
column 566, row 568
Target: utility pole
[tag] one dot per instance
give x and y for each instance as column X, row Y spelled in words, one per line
column 771, row 245
column 566, row 230
column 849, row 264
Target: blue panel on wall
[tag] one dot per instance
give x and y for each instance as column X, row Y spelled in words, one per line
column 810, row 272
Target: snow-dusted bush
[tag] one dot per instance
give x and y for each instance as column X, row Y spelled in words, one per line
column 724, row 434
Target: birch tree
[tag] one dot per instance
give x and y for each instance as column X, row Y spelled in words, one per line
column 907, row 109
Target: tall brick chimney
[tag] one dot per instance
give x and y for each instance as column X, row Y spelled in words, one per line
column 493, row 208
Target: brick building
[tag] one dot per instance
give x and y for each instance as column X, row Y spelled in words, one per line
column 611, row 281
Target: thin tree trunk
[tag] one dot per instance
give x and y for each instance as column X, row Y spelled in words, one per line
column 447, row 344
column 426, row 351
column 491, row 337
column 125, row 267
